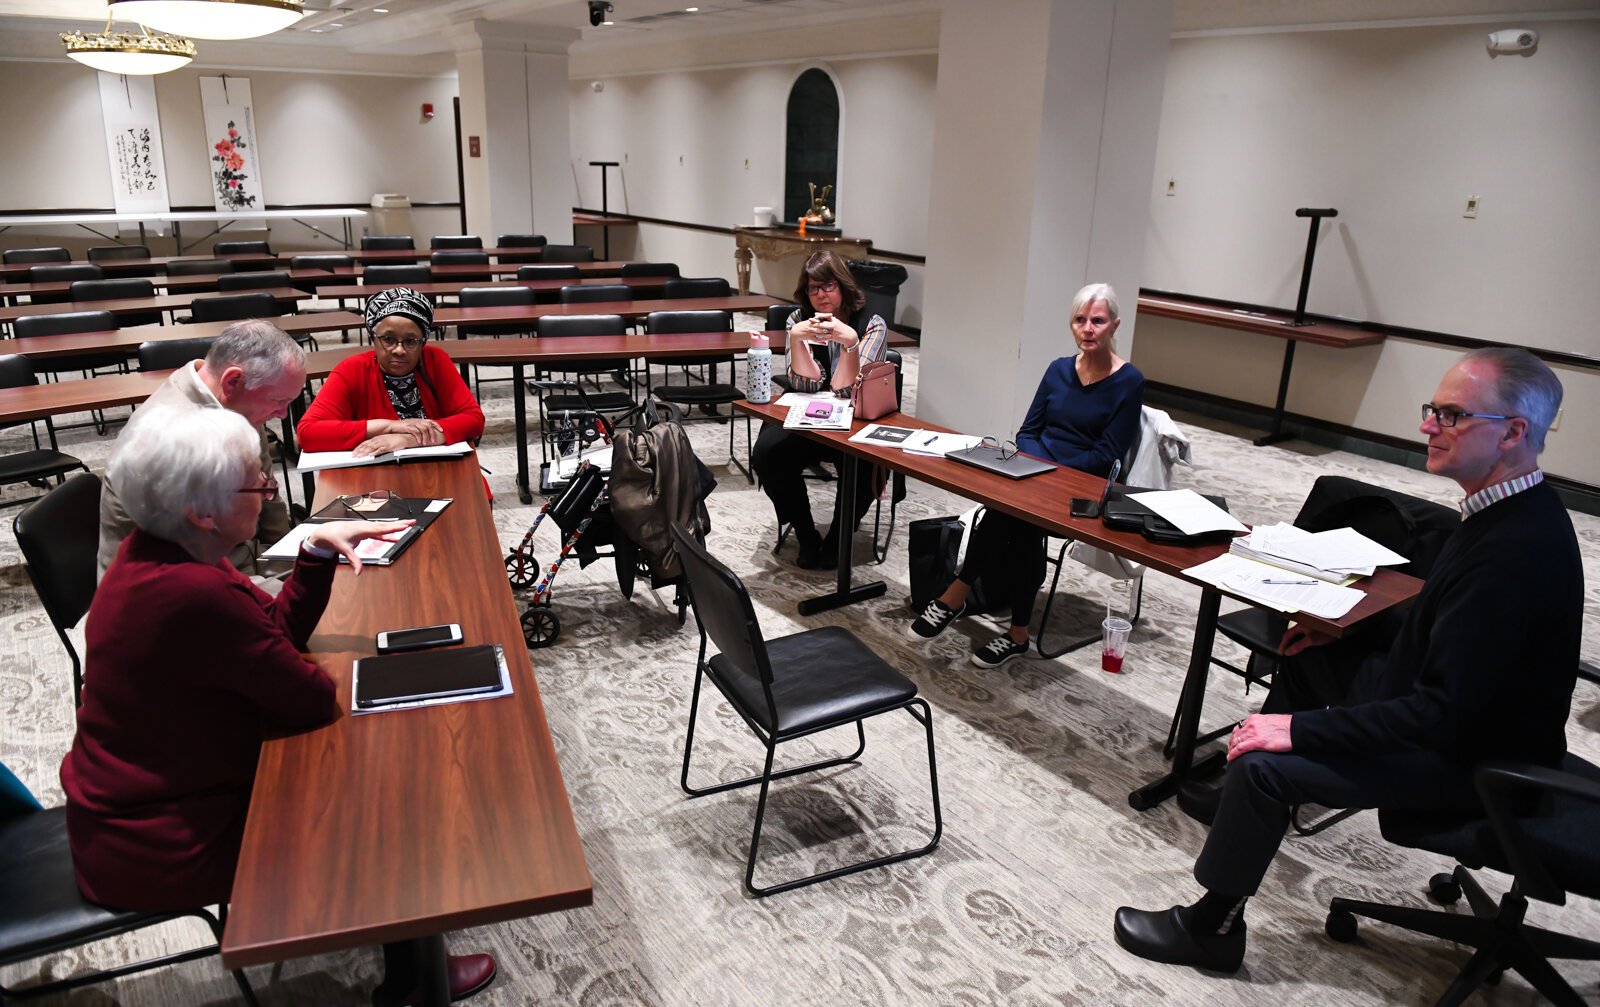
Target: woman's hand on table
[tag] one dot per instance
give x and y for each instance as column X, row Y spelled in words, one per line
column 342, row 537
column 427, row 432
column 382, row 444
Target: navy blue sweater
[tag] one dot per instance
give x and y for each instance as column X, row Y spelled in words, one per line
column 1084, row 427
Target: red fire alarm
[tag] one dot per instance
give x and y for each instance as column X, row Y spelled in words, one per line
column 472, row 147
column 427, row 110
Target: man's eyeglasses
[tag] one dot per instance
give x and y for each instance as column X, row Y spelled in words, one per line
column 826, row 287
column 390, row 342
column 1448, row 416
column 268, row 488
column 1007, row 449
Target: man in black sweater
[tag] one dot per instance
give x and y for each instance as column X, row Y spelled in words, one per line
column 1483, row 667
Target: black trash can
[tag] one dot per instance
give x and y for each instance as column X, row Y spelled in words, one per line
column 881, row 282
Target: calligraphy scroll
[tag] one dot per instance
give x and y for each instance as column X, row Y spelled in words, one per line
column 133, row 144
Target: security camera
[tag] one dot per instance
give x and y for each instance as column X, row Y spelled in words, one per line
column 1513, row 40
column 598, row 9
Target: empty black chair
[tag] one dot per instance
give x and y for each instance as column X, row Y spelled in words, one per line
column 47, row 253
column 329, row 264
column 711, row 286
column 493, row 297
column 118, row 253
column 707, row 394
column 650, row 269
column 549, row 272
column 42, row 911
column 227, row 248
column 792, row 687
column 41, row 463
column 534, row 243
column 1539, row 826
column 568, row 253
column 61, row 274
column 396, row 276
column 386, row 241
column 65, row 324
column 257, row 280
column 234, row 307
column 455, row 241
column 578, row 294
column 463, row 257
column 555, row 326
column 118, row 289
column 59, row 536
column 199, row 267
column 170, row 354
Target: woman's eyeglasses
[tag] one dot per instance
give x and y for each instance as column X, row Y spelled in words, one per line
column 369, row 505
column 1447, row 416
column 1007, row 449
column 826, row 287
column 389, row 342
column 268, row 488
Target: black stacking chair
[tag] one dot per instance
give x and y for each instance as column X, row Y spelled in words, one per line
column 118, row 253
column 595, row 293
column 61, row 274
column 111, row 290
column 42, row 912
column 199, row 267
column 170, row 354
column 711, row 286
column 327, row 263
column 650, row 269
column 235, row 307
column 778, row 320
column 549, row 272
column 605, row 403
column 396, row 276
column 456, row 241
column 464, row 257
column 224, row 249
column 708, row 394
column 253, row 280
column 59, row 536
column 370, row 242
column 42, row 463
column 64, row 324
column 489, row 297
column 534, row 243
column 48, row 253
column 1539, row 826
column 793, row 687
column 568, row 253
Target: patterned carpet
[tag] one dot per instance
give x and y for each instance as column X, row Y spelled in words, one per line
column 1035, row 763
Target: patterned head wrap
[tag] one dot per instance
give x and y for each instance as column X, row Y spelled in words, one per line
column 399, row 301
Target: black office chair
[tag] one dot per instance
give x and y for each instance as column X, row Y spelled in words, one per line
column 490, row 297
column 199, row 267
column 118, row 253
column 778, row 321
column 568, row 253
column 396, row 276
column 456, row 241
column 389, row 242
column 41, row 464
column 709, row 394
column 596, row 293
column 117, row 289
column 236, row 307
column 1539, row 827
column 170, row 354
column 253, row 280
column 61, row 274
column 59, row 536
column 223, row 249
column 548, row 272
column 793, row 687
column 572, row 406
column 327, row 263
column 48, row 253
column 534, row 243
column 464, row 257
column 42, row 912
column 669, row 269
column 711, row 286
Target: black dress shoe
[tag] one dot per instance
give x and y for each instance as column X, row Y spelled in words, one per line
column 810, row 555
column 1200, row 801
column 828, row 553
column 1162, row 937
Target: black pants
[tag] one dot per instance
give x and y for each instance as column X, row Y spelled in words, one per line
column 1008, row 553
column 780, row 458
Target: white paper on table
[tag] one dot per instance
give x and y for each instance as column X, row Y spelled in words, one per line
column 788, row 399
column 1346, row 549
column 288, row 547
column 1192, row 513
column 885, row 436
column 1277, row 589
column 939, row 445
column 316, row 461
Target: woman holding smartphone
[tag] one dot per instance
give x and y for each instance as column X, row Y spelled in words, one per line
column 830, row 337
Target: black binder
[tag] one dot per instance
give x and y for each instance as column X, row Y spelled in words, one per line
column 1127, row 514
column 411, row 677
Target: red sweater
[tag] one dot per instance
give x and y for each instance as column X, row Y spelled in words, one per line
column 187, row 667
column 355, row 393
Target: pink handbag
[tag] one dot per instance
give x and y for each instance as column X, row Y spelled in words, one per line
column 873, row 395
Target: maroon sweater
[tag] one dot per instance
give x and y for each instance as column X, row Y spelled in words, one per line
column 187, row 667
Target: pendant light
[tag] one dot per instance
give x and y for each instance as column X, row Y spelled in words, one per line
column 139, row 54
column 211, row 19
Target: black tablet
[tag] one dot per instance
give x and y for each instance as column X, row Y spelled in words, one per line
column 428, row 674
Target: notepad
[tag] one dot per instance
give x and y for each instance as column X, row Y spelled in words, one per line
column 316, row 461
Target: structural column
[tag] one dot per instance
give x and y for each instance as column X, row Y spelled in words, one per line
column 1044, row 152
column 514, row 100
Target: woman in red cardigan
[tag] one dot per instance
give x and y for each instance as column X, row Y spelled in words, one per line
column 403, row 394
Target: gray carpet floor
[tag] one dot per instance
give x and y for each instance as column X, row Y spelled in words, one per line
column 1035, row 763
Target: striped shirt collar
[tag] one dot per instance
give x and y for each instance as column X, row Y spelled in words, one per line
column 1499, row 491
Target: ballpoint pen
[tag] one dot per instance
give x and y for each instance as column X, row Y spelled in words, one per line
column 930, row 440
column 1307, row 582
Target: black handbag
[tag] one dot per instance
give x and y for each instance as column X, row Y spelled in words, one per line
column 935, row 543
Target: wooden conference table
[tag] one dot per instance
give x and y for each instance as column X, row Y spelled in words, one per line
column 17, row 272
column 408, row 824
column 135, row 305
column 1045, row 500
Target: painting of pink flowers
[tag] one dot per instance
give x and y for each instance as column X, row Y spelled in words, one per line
column 230, row 193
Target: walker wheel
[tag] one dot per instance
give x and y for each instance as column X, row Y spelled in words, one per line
column 1443, row 889
column 522, row 572
column 1341, row 926
column 540, row 627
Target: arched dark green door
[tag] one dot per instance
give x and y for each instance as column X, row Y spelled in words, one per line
column 813, row 145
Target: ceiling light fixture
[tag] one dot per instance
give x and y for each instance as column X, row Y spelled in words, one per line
column 140, row 54
column 212, row 19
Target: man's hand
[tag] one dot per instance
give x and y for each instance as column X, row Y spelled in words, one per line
column 1260, row 732
column 343, row 536
column 1299, row 636
column 426, row 432
column 382, row 444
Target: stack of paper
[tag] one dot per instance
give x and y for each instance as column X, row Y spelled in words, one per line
column 316, row 461
column 939, row 445
column 832, row 414
column 599, row 455
column 1337, row 556
column 1277, row 588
